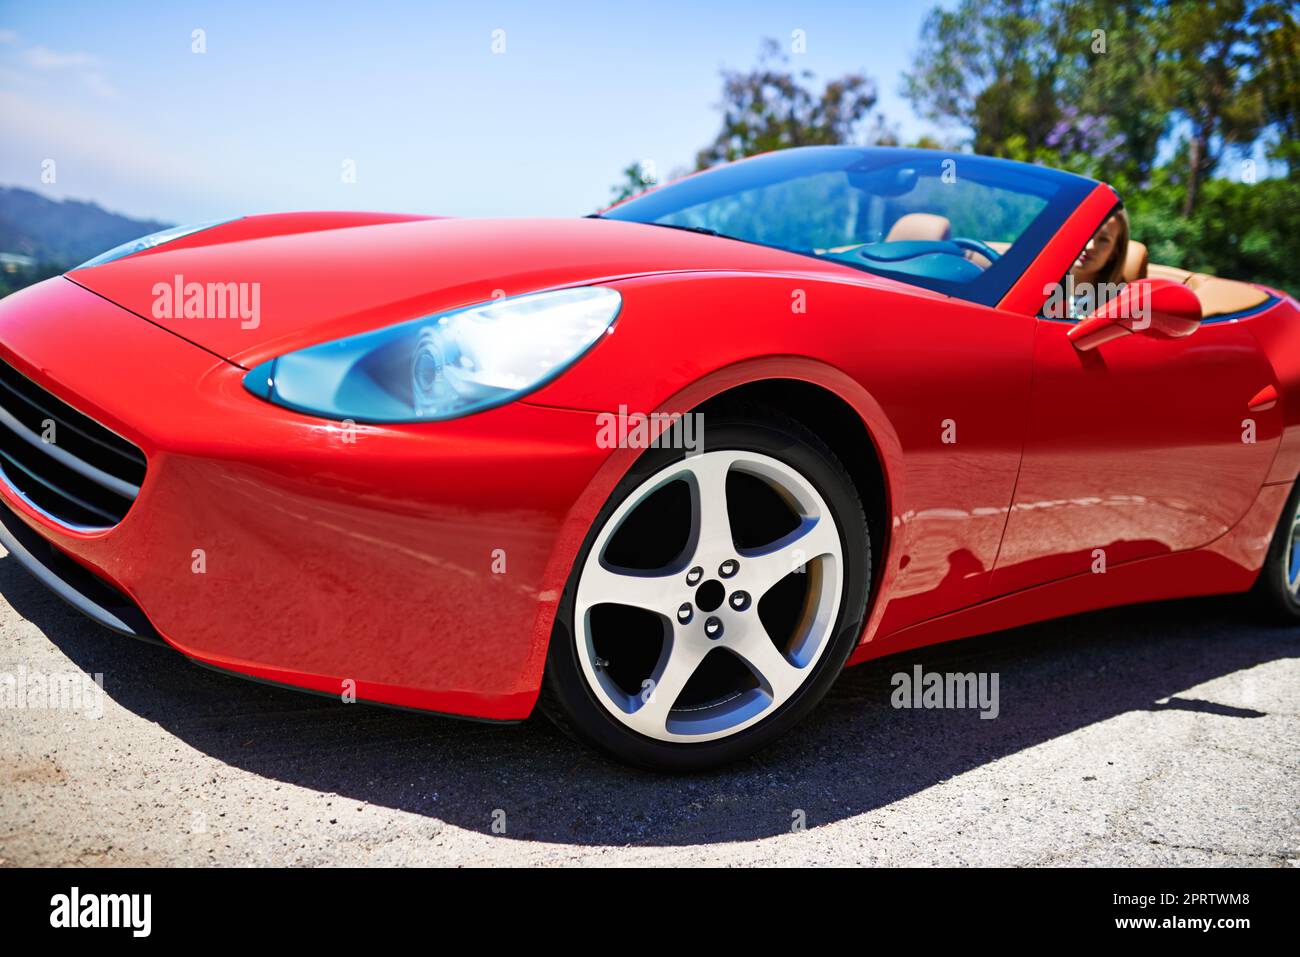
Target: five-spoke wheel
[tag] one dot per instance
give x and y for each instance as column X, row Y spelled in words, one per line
column 708, row 601
column 713, row 594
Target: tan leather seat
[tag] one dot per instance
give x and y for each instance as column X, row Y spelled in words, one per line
column 1157, row 271
column 1135, row 262
column 1221, row 297
column 925, row 226
column 911, row 226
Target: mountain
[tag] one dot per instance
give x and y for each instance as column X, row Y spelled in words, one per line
column 62, row 232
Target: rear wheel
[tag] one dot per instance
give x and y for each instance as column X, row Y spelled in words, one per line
column 1277, row 592
column 715, row 600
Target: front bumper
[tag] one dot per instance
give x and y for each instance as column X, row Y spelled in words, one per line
column 417, row 566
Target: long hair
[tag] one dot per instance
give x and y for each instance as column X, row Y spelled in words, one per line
column 1113, row 270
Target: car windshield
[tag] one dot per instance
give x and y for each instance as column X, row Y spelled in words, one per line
column 963, row 225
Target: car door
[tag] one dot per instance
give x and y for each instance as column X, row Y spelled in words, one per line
column 958, row 406
column 1140, row 447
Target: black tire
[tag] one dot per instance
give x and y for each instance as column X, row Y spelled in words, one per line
column 1272, row 596
column 568, row 700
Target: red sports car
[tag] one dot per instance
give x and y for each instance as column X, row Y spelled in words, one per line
column 668, row 468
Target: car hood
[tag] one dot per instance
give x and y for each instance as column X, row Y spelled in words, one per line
column 257, row 287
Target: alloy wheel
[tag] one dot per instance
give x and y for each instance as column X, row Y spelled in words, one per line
column 708, row 596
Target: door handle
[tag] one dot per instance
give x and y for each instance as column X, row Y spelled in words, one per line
column 1264, row 399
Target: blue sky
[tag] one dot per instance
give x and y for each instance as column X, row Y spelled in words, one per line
column 412, row 92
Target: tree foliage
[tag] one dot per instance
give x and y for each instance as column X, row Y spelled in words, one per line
column 1248, row 231
column 1207, row 56
column 1277, row 78
column 991, row 66
column 1095, row 85
column 631, row 182
column 771, row 107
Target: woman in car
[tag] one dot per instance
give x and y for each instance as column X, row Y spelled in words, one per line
column 1099, row 271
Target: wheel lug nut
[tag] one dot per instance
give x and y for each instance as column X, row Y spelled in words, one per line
column 694, row 575
column 713, row 627
column 685, row 613
column 740, row 600
column 729, row 568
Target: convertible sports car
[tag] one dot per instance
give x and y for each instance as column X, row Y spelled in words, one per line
column 668, row 468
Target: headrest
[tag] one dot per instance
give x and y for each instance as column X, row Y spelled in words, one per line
column 1135, row 263
column 915, row 226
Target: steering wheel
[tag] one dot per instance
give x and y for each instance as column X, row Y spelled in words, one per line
column 975, row 246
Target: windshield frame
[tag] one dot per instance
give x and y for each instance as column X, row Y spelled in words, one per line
column 1063, row 192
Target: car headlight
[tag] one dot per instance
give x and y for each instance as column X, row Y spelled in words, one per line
column 444, row 365
column 148, row 242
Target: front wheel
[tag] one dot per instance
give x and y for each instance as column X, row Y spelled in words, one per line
column 715, row 600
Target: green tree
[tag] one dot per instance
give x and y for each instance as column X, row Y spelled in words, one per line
column 632, row 183
column 1065, row 82
column 1208, row 56
column 1247, row 231
column 772, row 108
column 1276, row 80
column 991, row 66
column 1110, row 78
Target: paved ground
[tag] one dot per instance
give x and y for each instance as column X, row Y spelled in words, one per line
column 1168, row 734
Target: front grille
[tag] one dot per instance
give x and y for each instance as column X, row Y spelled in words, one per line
column 86, row 477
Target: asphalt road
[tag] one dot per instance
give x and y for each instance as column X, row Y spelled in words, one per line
column 1162, row 735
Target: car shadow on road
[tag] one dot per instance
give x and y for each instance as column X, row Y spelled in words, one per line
column 855, row 753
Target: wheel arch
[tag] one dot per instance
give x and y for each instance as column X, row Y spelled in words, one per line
column 827, row 401
column 832, row 419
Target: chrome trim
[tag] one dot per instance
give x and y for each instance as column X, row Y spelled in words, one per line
column 64, row 423
column 51, row 580
column 7, row 459
column 61, row 522
column 67, row 459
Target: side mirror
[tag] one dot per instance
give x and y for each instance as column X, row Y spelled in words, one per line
column 1151, row 307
